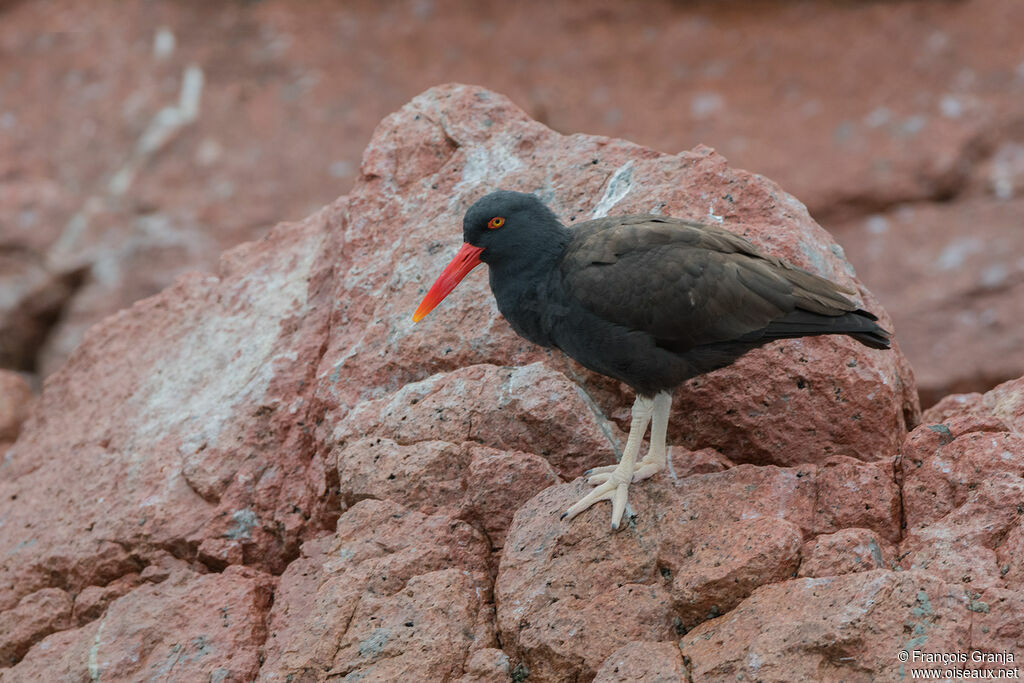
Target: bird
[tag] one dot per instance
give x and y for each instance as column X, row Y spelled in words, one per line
column 649, row 300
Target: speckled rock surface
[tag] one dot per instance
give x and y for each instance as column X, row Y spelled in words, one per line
column 643, row 661
column 702, row 544
column 186, row 627
column 392, row 595
column 849, row 627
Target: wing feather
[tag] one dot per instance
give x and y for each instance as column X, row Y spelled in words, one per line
column 686, row 283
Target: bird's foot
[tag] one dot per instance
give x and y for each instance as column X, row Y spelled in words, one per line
column 612, row 482
column 613, row 486
column 644, row 469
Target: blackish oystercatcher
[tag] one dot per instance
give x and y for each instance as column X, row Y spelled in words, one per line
column 649, row 300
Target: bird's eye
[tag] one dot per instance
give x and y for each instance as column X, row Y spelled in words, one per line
column 495, row 222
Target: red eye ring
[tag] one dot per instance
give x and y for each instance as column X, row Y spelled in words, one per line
column 496, row 222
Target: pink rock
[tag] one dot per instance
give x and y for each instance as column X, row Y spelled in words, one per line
column 35, row 293
column 419, row 633
column 950, row 406
column 489, row 665
column 105, row 562
column 425, row 476
column 852, row 494
column 942, row 474
column 688, row 463
column 998, row 410
column 706, row 542
column 189, row 627
column 484, row 485
column 61, row 656
column 530, row 408
column 1010, row 554
column 724, row 568
column 498, row 484
column 163, row 566
column 997, row 626
column 301, row 642
column 643, row 661
column 752, row 410
column 393, row 594
column 845, row 552
column 36, row 615
column 92, row 602
column 1006, row 402
column 965, row 424
column 958, row 489
column 957, row 558
column 575, row 635
column 847, row 627
column 180, row 418
column 954, row 292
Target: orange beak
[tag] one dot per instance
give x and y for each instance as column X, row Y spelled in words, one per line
column 466, row 260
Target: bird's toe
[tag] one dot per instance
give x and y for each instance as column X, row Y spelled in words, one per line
column 608, row 488
column 646, row 470
column 603, row 492
column 604, row 469
column 619, row 497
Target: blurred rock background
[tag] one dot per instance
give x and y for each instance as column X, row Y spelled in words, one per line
column 138, row 140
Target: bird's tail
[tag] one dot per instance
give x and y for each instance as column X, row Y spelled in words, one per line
column 859, row 324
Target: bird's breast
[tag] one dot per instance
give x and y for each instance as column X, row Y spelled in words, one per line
column 534, row 307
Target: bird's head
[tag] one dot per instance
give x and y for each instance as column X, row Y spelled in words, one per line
column 498, row 228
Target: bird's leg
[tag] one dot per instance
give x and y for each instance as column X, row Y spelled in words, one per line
column 615, row 485
column 655, row 460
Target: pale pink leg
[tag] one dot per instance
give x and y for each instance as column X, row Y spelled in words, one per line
column 613, row 481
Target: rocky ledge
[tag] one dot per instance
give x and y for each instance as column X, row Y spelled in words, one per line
column 269, row 473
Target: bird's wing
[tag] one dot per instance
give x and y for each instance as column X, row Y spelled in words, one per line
column 686, row 283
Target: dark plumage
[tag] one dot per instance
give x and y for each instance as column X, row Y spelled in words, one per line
column 649, row 300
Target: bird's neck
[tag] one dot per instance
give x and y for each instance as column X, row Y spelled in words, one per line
column 528, row 283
